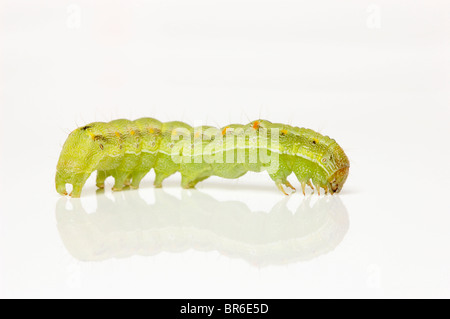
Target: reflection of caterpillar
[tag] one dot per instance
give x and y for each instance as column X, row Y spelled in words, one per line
column 128, row 150
column 129, row 226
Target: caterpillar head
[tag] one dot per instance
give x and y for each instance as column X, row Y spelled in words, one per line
column 82, row 148
column 339, row 176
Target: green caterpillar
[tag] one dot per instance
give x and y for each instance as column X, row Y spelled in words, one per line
column 128, row 150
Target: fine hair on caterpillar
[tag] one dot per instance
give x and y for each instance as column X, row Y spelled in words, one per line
column 128, row 150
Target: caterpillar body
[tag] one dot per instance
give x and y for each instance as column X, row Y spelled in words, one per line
column 128, row 150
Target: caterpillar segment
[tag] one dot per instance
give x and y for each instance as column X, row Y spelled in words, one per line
column 128, row 150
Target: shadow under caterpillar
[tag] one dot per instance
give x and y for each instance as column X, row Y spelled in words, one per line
column 128, row 226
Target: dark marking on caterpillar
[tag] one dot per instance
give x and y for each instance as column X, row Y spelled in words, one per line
column 100, row 138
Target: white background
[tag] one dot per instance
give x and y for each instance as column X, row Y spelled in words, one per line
column 374, row 75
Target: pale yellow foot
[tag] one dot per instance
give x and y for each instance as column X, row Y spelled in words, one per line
column 310, row 185
column 303, row 188
column 280, row 187
column 290, row 185
column 318, row 189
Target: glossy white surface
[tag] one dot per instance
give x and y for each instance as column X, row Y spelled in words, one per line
column 374, row 76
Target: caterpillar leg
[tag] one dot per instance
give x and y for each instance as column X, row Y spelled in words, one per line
column 78, row 182
column 120, row 177
column 321, row 184
column 160, row 176
column 198, row 180
column 101, row 177
column 60, row 185
column 127, row 181
column 281, row 183
column 280, row 178
column 136, row 178
column 318, row 189
column 286, row 182
column 304, row 183
column 280, row 187
column 187, row 182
